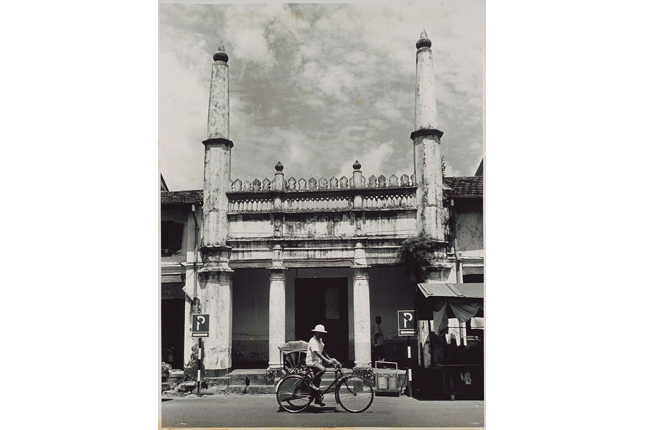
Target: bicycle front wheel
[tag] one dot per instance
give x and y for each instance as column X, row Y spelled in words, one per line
column 293, row 393
column 355, row 394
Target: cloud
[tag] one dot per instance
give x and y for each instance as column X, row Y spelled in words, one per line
column 182, row 123
column 318, row 86
column 451, row 171
column 251, row 45
column 374, row 162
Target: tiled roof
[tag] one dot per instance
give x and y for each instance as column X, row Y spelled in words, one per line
column 465, row 186
column 182, row 197
column 480, row 169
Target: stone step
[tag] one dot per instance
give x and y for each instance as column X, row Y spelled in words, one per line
column 220, row 381
column 214, row 389
column 252, row 380
column 251, row 389
column 240, row 378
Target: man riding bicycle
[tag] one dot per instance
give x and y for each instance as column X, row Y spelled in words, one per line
column 316, row 356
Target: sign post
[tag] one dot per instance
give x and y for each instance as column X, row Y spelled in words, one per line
column 200, row 330
column 407, row 324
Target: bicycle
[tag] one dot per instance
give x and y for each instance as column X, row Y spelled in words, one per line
column 295, row 393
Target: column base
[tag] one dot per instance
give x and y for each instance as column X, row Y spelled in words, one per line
column 274, row 373
column 366, row 372
column 215, row 373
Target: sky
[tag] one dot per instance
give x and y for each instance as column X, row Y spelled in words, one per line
column 319, row 86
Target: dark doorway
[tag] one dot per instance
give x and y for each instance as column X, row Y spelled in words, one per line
column 324, row 301
column 172, row 332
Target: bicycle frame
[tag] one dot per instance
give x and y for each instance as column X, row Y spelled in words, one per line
column 337, row 379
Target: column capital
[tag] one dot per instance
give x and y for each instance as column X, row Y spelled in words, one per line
column 277, row 273
column 361, row 272
column 218, row 141
column 217, row 274
column 360, row 258
column 276, row 259
column 426, row 132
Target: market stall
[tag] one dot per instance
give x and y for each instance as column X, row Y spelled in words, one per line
column 456, row 350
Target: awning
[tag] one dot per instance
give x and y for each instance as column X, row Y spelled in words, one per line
column 440, row 301
column 446, row 290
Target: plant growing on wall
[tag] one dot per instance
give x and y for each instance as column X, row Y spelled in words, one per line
column 443, row 168
column 417, row 253
column 190, row 369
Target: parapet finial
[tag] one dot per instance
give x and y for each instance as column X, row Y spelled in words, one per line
column 357, row 165
column 279, row 167
column 423, row 40
column 220, row 55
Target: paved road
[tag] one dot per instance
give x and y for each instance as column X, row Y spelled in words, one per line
column 263, row 411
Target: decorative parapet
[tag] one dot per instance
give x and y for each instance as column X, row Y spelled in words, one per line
column 390, row 200
column 401, row 199
column 322, row 184
column 322, row 195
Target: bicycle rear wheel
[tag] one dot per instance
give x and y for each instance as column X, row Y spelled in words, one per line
column 293, row 393
column 355, row 394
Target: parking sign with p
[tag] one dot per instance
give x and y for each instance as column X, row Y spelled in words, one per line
column 407, row 323
column 200, row 325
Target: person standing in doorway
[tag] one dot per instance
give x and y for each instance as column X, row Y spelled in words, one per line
column 316, row 356
column 378, row 340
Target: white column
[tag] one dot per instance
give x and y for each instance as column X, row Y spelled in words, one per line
column 188, row 314
column 217, row 156
column 217, row 302
column 216, row 294
column 277, row 306
column 425, row 112
column 190, row 285
column 277, row 312
column 218, row 105
column 362, row 335
column 427, row 146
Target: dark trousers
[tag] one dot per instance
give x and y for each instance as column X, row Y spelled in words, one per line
column 319, row 371
column 378, row 352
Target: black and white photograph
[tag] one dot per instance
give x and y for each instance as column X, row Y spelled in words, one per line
column 364, row 214
column 322, row 219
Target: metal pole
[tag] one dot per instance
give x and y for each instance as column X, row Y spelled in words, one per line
column 409, row 370
column 199, row 366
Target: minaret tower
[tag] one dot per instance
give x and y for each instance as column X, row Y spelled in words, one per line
column 427, row 144
column 215, row 276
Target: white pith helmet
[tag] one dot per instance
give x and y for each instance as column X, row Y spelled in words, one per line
column 320, row 328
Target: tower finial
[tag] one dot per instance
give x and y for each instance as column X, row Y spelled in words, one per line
column 423, row 40
column 220, row 55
